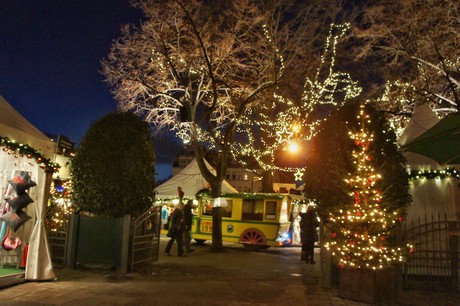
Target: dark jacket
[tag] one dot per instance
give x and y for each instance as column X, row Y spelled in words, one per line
column 188, row 216
column 177, row 222
column 308, row 225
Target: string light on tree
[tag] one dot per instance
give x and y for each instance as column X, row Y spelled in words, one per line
column 60, row 206
column 271, row 127
column 360, row 230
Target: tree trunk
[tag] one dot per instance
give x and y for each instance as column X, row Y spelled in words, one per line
column 217, row 243
column 216, row 187
column 267, row 182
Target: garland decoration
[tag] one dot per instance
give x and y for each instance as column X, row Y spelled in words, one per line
column 20, row 149
column 434, row 174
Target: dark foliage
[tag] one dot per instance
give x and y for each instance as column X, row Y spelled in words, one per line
column 113, row 171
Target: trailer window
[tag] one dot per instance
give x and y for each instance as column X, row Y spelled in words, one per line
column 270, row 210
column 227, row 210
column 252, row 210
column 206, row 208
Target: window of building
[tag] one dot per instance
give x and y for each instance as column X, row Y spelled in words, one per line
column 253, row 210
column 270, row 210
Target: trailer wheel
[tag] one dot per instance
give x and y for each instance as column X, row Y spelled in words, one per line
column 252, row 237
column 200, row 241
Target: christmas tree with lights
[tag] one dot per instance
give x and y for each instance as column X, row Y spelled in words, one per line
column 60, row 206
column 360, row 230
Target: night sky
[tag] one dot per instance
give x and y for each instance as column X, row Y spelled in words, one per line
column 50, row 53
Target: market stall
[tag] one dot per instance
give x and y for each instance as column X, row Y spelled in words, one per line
column 26, row 168
column 434, row 192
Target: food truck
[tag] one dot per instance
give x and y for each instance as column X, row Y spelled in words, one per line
column 255, row 220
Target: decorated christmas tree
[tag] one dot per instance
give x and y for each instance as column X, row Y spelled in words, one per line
column 360, row 230
column 60, row 206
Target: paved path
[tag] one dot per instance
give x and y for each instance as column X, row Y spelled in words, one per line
column 236, row 277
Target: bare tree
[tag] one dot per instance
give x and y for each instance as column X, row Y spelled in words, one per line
column 277, row 134
column 402, row 52
column 193, row 67
column 419, row 40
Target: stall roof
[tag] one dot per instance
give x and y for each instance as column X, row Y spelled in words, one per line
column 423, row 118
column 14, row 126
column 191, row 180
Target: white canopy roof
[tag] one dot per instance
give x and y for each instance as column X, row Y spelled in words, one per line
column 14, row 126
column 191, row 180
column 422, row 119
column 429, row 197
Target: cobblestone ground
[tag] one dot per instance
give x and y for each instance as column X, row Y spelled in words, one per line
column 235, row 277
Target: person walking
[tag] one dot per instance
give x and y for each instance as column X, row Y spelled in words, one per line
column 176, row 227
column 176, row 231
column 308, row 234
column 164, row 216
column 188, row 217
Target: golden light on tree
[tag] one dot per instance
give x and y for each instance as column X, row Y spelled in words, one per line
column 267, row 128
column 194, row 68
column 293, row 147
column 360, row 231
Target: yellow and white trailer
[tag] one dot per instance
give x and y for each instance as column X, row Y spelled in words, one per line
column 255, row 220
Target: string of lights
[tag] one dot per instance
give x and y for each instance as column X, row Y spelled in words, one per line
column 360, row 231
column 20, row 149
column 281, row 126
column 449, row 172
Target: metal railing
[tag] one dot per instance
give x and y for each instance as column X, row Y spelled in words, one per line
column 145, row 239
column 57, row 243
column 435, row 262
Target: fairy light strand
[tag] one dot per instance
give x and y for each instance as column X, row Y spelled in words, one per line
column 360, row 230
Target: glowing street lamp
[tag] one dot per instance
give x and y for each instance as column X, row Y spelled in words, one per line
column 293, row 147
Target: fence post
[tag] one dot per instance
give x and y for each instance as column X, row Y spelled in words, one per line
column 125, row 244
column 453, row 253
column 71, row 244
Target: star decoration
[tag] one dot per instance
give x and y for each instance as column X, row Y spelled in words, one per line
column 298, row 175
column 284, row 135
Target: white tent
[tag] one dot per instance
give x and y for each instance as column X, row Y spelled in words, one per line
column 430, row 197
column 16, row 128
column 191, row 180
column 423, row 118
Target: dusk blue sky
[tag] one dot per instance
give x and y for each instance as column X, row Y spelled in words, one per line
column 50, row 53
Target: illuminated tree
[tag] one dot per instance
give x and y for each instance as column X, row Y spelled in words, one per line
column 360, row 230
column 60, row 205
column 329, row 161
column 272, row 129
column 419, row 41
column 404, row 52
column 194, row 67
